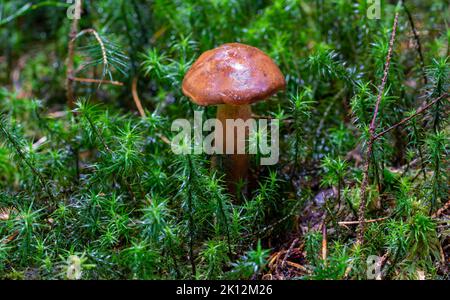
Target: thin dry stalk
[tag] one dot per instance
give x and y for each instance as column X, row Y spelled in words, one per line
column 372, row 128
column 420, row 111
column 136, row 99
column 345, row 223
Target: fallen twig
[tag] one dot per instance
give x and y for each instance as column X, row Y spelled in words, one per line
column 288, row 253
column 441, row 210
column 298, row 266
column 344, row 223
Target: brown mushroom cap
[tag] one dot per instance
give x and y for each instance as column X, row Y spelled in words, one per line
column 233, row 74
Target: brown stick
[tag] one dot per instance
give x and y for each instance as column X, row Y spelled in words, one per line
column 298, row 266
column 372, row 128
column 90, row 80
column 423, row 109
column 344, row 223
column 136, row 99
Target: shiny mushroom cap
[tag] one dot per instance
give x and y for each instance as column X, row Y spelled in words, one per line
column 234, row 74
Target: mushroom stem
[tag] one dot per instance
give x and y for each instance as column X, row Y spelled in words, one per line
column 235, row 165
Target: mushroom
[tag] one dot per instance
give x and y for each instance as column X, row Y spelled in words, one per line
column 233, row 76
